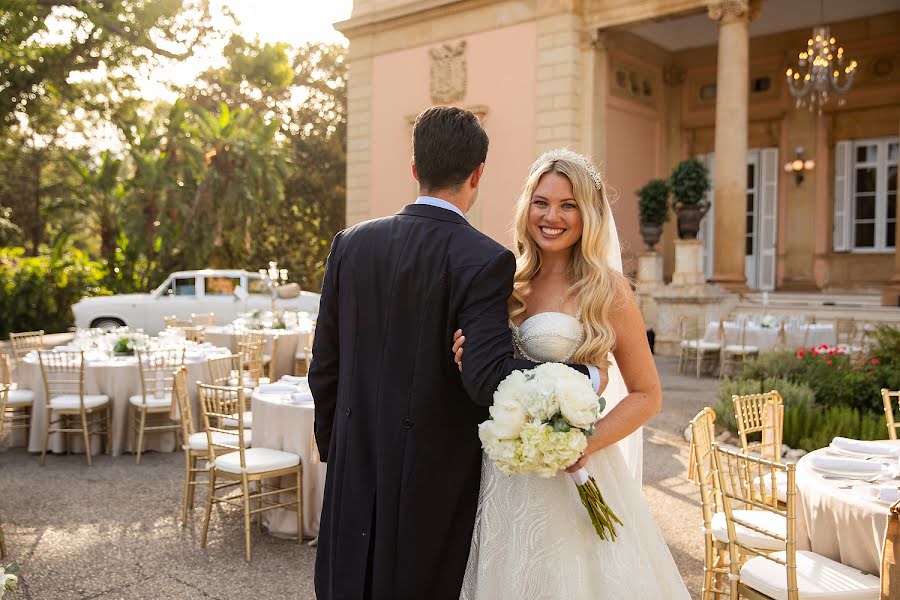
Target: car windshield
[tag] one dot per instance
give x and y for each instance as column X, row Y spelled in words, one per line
column 179, row 286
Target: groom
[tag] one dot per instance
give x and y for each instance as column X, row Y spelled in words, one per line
column 395, row 420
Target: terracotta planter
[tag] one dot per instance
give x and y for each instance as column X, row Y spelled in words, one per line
column 650, row 232
column 689, row 217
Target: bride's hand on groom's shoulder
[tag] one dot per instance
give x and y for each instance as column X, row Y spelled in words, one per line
column 458, row 341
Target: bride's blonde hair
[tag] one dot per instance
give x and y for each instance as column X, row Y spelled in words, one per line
column 592, row 280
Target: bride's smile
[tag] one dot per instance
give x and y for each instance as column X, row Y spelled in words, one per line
column 554, row 220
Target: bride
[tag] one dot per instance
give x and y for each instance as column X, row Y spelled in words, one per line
column 570, row 303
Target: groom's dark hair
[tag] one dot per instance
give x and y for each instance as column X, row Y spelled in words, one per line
column 448, row 144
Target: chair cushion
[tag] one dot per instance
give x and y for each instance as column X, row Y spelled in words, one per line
column 152, row 402
column 701, row 344
column 71, row 402
column 760, row 518
column 780, row 483
column 20, row 397
column 738, row 349
column 817, row 578
column 248, row 421
column 258, row 460
column 197, row 441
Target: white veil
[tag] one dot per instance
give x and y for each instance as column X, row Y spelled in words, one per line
column 632, row 446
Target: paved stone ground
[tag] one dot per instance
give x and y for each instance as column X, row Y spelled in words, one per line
column 111, row 531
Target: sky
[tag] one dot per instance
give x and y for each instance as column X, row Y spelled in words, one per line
column 293, row 21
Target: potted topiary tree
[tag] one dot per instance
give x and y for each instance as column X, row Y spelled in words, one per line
column 689, row 183
column 654, row 210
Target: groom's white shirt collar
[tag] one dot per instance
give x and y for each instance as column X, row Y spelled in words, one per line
column 593, row 371
column 432, row 201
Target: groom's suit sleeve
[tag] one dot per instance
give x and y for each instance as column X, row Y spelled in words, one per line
column 484, row 319
column 323, row 372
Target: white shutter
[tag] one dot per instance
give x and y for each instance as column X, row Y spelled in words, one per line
column 767, row 217
column 707, row 229
column 843, row 217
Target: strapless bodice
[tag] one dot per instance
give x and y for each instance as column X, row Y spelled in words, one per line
column 548, row 337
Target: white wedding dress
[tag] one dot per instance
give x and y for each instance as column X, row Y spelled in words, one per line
column 533, row 539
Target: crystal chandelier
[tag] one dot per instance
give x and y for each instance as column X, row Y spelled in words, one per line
column 820, row 69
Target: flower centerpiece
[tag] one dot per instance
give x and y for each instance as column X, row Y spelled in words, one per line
column 768, row 322
column 126, row 343
column 540, row 423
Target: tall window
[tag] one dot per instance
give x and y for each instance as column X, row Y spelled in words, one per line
column 873, row 202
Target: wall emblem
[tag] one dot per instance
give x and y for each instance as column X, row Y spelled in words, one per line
column 448, row 73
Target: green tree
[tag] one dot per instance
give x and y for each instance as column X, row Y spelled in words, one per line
column 100, row 195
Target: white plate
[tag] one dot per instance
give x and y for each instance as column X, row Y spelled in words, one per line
column 849, row 474
column 886, row 452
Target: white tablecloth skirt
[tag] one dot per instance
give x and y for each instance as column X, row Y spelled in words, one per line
column 766, row 338
column 119, row 379
column 284, row 426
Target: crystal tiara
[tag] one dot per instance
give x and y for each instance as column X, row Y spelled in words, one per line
column 571, row 156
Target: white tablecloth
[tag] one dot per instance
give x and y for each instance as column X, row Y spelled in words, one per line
column 283, row 425
column 289, row 342
column 766, row 338
column 837, row 518
column 117, row 378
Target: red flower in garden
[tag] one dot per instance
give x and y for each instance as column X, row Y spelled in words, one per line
column 801, row 352
column 832, row 352
column 829, row 362
column 875, row 361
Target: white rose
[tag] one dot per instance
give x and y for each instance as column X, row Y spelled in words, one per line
column 508, row 416
column 577, row 403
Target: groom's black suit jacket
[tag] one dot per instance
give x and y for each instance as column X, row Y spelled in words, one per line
column 395, row 420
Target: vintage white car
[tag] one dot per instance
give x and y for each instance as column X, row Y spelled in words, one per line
column 227, row 293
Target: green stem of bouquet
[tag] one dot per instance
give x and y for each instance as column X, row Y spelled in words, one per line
column 602, row 516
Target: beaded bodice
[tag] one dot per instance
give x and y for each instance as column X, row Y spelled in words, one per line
column 548, row 337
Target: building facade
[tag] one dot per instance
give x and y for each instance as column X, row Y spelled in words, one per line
column 639, row 85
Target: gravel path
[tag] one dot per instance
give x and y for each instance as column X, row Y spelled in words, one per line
column 111, row 531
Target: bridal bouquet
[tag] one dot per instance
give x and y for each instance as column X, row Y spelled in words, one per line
column 540, row 422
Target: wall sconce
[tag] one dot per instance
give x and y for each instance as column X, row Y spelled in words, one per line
column 798, row 165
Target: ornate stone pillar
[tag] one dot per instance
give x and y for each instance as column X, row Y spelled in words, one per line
column 891, row 294
column 730, row 182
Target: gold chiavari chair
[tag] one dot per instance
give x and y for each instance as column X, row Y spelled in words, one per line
column 888, row 398
column 155, row 400
column 788, row 574
column 735, row 349
column 63, row 375
column 302, row 360
column 24, row 342
column 715, row 529
column 16, row 405
column 229, row 371
column 760, row 425
column 254, row 362
column 237, row 464
column 195, row 445
column 845, row 331
column 693, row 348
column 171, row 321
column 203, row 319
column 269, row 359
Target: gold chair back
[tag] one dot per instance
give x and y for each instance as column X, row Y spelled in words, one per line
column 751, row 482
column 270, row 373
column 226, row 370
column 183, row 401
column 156, row 368
column 702, row 471
column 890, row 398
column 253, row 359
column 760, row 420
column 62, row 374
column 171, row 321
column 24, row 342
column 203, row 319
column 845, row 331
column 5, row 372
column 219, row 403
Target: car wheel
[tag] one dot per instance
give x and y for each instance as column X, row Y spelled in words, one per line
column 107, row 323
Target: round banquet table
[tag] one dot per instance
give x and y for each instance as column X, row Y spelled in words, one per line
column 766, row 338
column 282, row 424
column 289, row 342
column 119, row 378
column 838, row 518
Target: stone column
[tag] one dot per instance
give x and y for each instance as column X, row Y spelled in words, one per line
column 730, row 184
column 891, row 294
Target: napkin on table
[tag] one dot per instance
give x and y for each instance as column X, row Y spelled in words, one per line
column 865, row 447
column 276, row 388
column 293, row 379
column 885, row 493
column 834, row 464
